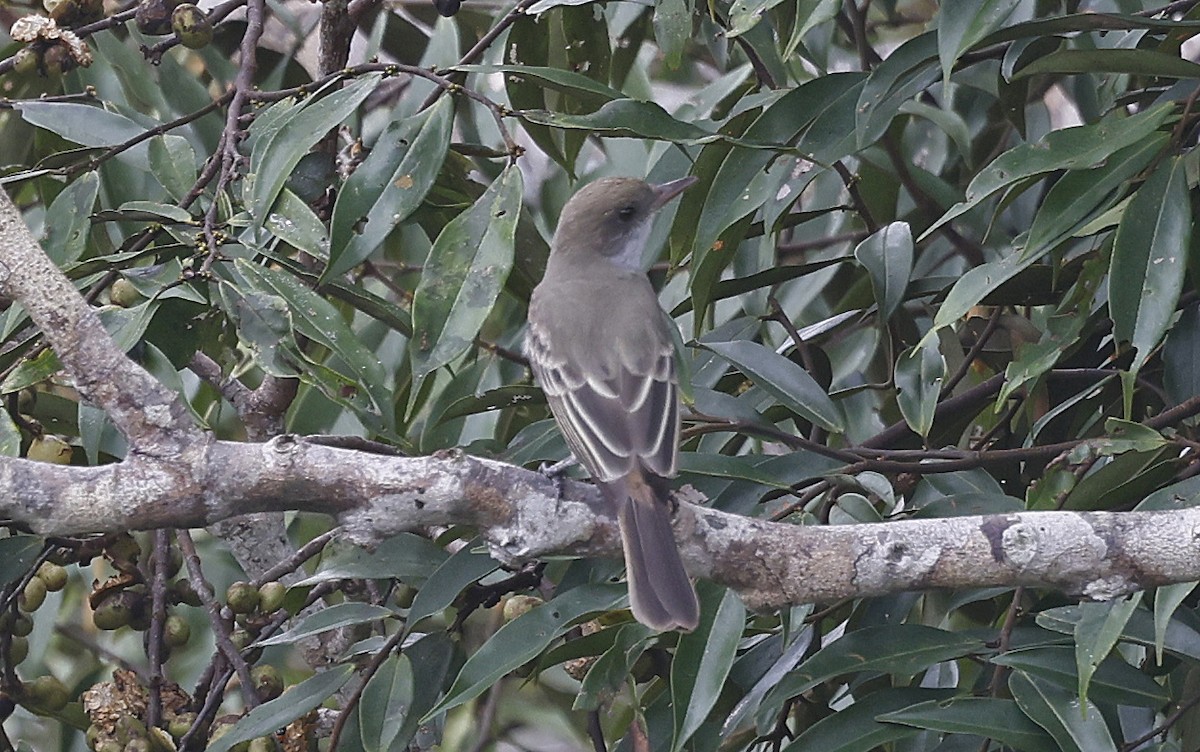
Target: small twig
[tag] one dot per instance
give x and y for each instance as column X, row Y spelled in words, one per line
column 158, row 615
column 220, row 627
column 980, row 342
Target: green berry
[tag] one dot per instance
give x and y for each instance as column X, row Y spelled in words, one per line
column 33, row 596
column 270, row 596
column 242, row 598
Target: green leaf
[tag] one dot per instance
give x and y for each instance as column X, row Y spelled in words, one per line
column 87, row 125
column 1075, row 198
column 610, row 672
column 963, row 23
column 703, row 659
column 1149, row 260
column 294, row 222
column 523, row 638
column 989, row 717
column 1136, row 62
column 1114, row 682
column 920, row 371
column 68, row 220
column 10, row 438
column 1181, row 357
column 403, row 690
column 906, row 72
column 388, row 186
column 587, row 90
column 332, row 617
column 464, row 274
column 448, row 580
column 744, row 15
column 782, row 379
column 899, row 649
column 1096, row 634
column 673, row 29
column 314, row 317
column 17, row 554
column 628, row 118
column 276, row 152
column 1066, row 148
column 1167, row 599
column 887, row 255
column 406, row 556
column 1075, row 724
column 1179, row 638
column 862, row 726
column 267, row 718
column 173, row 163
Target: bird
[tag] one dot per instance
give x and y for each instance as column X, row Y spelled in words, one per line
column 599, row 346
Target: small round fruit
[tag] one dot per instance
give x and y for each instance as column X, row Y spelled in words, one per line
column 115, row 611
column 176, row 631
column 138, row 745
column 242, row 598
column 124, row 548
column 53, row 575
column 22, row 626
column 46, row 693
column 183, row 592
column 519, row 605
column 154, row 16
column 268, row 684
column 25, row 62
column 128, row 728
column 241, row 639
column 180, row 724
column 124, row 294
column 18, row 650
column 404, row 595
column 52, row 449
column 192, row 26
column 33, row 596
column 270, row 596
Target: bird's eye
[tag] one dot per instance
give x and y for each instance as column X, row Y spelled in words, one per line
column 626, row 213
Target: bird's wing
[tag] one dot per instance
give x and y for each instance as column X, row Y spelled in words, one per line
column 617, row 407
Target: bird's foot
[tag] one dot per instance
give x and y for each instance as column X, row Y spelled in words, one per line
column 556, row 472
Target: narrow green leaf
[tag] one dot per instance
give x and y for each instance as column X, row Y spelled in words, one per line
column 899, row 649
column 68, row 220
column 384, row 703
column 864, row 726
column 523, row 638
column 1136, row 62
column 388, row 186
column 907, row 71
column 1067, row 148
column 267, row 718
column 628, row 118
column 963, row 23
column 990, row 717
column 563, row 81
column 1096, row 634
column 744, row 15
column 276, row 154
column 611, row 670
column 17, row 554
column 464, row 274
column 1179, row 638
column 333, row 617
column 673, row 29
column 782, row 379
column 1167, row 599
column 87, row 125
column 173, row 163
column 703, row 659
column 920, row 371
column 294, row 222
column 315, row 318
column 445, row 584
column 1149, row 260
column 1075, row 724
column 405, row 556
column 887, row 255
column 1114, row 682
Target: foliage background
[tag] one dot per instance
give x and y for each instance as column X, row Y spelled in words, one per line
column 939, row 262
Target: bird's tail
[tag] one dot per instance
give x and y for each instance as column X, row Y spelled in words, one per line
column 660, row 592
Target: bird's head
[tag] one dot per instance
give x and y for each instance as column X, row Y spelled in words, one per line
column 611, row 219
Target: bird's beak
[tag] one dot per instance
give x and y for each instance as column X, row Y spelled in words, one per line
column 664, row 192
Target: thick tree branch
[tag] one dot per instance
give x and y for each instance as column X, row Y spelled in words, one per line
column 150, row 416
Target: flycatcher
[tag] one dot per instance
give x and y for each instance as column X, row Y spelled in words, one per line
column 600, row 348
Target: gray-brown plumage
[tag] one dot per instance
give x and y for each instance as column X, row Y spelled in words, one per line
column 600, row 348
